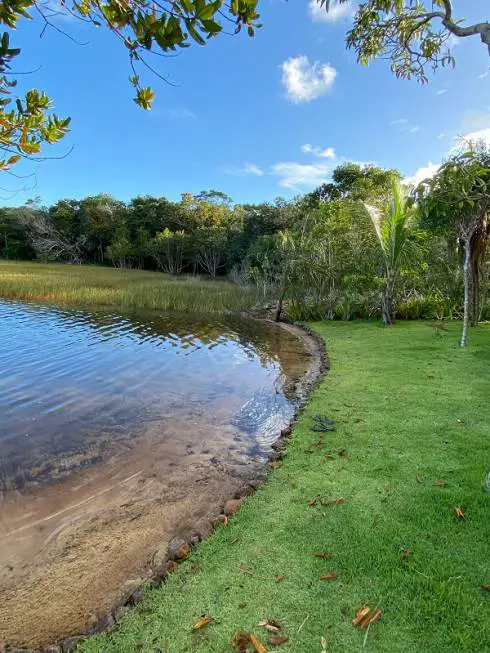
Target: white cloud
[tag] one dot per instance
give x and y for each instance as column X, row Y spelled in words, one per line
column 441, row 135
column 182, row 114
column 245, row 170
column 323, row 153
column 404, row 125
column 297, row 175
column 441, row 91
column 422, row 173
column 305, row 81
column 337, row 11
column 483, row 75
column 482, row 135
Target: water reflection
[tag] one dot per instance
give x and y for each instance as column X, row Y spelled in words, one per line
column 76, row 386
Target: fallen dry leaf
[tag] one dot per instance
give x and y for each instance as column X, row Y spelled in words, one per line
column 324, row 644
column 364, row 617
column 240, row 641
column 279, row 579
column 331, row 575
column 419, row 479
column 320, row 554
column 440, row 484
column 332, row 502
column 313, row 502
column 361, row 614
column 329, row 457
column 242, row 605
column 277, row 641
column 376, row 615
column 270, row 624
column 485, row 587
column 200, row 623
column 459, row 512
column 257, row 644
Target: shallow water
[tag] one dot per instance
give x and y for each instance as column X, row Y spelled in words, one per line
column 118, row 432
column 75, row 385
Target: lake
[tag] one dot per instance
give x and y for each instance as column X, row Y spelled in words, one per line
column 119, row 431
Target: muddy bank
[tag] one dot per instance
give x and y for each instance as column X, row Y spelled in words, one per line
column 75, row 554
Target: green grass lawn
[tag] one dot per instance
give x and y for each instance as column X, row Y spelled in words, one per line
column 102, row 286
column 408, row 403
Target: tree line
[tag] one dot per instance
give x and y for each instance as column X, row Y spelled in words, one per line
column 361, row 245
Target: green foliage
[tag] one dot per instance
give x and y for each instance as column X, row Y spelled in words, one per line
column 412, row 36
column 142, row 27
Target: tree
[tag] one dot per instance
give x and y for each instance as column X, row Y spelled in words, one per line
column 167, row 248
column 457, row 201
column 142, row 27
column 210, row 246
column 393, row 226
column 355, row 181
column 49, row 242
column 411, row 36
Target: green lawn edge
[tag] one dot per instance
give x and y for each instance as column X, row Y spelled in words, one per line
column 408, row 403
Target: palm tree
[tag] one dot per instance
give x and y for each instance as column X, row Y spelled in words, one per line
column 394, row 227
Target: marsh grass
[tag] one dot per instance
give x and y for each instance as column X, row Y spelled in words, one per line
column 100, row 286
column 408, row 403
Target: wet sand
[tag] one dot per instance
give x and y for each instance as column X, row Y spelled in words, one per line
column 74, row 550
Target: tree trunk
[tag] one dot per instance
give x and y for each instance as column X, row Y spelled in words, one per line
column 280, row 301
column 475, row 292
column 466, row 276
column 387, row 310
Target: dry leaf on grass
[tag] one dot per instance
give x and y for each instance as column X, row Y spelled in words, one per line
column 242, row 605
column 277, row 641
column 419, row 479
column 257, row 644
column 279, row 579
column 324, row 644
column 320, row 554
column 270, row 624
column 364, row 616
column 240, row 641
column 360, row 614
column 459, row 512
column 331, row 575
column 440, row 484
column 200, row 623
column 483, row 586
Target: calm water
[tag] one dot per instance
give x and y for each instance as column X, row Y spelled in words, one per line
column 78, row 386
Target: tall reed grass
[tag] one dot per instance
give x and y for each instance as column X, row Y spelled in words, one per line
column 95, row 285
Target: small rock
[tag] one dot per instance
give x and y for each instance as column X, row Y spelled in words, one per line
column 231, row 506
column 171, row 566
column 182, row 552
column 176, row 548
column 220, row 519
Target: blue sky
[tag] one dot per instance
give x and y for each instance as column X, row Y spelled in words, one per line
column 257, row 118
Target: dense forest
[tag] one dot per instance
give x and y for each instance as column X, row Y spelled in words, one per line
column 358, row 246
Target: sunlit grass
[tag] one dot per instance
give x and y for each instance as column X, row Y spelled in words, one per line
column 93, row 285
column 408, row 403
